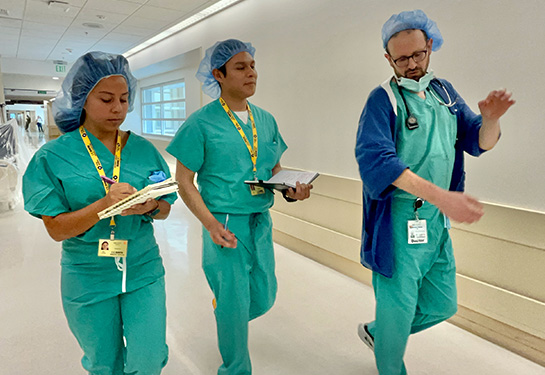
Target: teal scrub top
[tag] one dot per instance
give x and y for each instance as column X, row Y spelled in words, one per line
column 61, row 177
column 429, row 149
column 209, row 144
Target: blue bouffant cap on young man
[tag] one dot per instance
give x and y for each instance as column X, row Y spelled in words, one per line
column 84, row 75
column 414, row 19
column 215, row 57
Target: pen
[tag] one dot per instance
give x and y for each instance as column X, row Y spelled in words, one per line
column 108, row 180
column 226, row 222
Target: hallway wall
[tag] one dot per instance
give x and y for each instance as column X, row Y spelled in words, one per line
column 317, row 62
column 500, row 260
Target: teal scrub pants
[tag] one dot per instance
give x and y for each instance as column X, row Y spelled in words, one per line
column 422, row 291
column 139, row 316
column 243, row 283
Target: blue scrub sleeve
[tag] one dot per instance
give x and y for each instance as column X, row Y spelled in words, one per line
column 376, row 153
column 43, row 193
column 187, row 146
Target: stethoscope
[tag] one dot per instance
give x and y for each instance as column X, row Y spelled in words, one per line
column 411, row 122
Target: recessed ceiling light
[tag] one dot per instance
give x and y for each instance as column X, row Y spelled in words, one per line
column 93, row 25
column 212, row 9
column 59, row 2
column 55, row 78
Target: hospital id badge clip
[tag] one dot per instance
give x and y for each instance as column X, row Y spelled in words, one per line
column 418, row 232
column 257, row 190
column 417, row 229
column 112, row 248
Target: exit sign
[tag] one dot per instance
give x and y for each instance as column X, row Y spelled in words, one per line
column 60, row 68
column 42, row 92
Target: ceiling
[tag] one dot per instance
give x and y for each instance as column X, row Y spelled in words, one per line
column 63, row 30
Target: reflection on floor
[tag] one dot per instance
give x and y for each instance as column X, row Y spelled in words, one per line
column 311, row 330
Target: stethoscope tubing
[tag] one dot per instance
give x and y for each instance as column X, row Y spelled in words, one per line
column 412, row 122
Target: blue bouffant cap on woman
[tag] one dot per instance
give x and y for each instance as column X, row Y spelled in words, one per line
column 214, row 58
column 84, row 75
column 414, row 19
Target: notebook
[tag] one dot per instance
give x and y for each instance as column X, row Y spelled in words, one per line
column 151, row 191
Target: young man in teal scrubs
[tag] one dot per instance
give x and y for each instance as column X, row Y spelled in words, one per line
column 410, row 146
column 226, row 143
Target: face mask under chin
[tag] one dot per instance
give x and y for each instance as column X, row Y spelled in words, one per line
column 416, row 86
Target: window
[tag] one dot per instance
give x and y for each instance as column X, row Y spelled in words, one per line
column 163, row 108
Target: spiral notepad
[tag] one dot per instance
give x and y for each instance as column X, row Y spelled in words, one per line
column 151, row 191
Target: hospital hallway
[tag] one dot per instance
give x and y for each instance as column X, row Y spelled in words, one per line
column 312, row 329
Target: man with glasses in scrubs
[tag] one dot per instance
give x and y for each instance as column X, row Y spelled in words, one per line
column 411, row 140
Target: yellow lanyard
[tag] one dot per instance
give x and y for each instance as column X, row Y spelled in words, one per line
column 253, row 151
column 98, row 165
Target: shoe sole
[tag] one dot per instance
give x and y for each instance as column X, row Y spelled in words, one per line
column 366, row 337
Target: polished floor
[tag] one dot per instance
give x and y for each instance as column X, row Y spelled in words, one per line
column 311, row 329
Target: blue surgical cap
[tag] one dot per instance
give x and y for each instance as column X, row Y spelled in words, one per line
column 84, row 75
column 214, row 58
column 414, row 19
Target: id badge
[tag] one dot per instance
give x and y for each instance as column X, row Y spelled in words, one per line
column 112, row 248
column 257, row 190
column 418, row 232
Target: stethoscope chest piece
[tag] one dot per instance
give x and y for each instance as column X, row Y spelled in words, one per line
column 411, row 122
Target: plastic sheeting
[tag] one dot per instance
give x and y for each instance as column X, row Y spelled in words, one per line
column 8, row 143
column 14, row 157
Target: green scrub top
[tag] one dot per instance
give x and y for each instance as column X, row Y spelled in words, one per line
column 61, row 177
column 429, row 149
column 209, row 144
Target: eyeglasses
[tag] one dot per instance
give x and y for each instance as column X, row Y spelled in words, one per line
column 418, row 56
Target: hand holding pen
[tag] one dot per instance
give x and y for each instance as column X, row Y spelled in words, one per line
column 225, row 226
column 125, row 189
column 118, row 191
column 221, row 235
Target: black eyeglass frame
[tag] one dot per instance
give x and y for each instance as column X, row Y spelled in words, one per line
column 413, row 56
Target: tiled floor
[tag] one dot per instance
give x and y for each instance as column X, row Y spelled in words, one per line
column 311, row 330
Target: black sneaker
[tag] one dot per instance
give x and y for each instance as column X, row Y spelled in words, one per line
column 365, row 336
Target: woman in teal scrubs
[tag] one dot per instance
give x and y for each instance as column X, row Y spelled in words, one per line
column 115, row 306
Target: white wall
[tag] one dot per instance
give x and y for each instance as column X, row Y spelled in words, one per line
column 31, row 82
column 319, row 59
column 2, row 97
column 38, row 68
